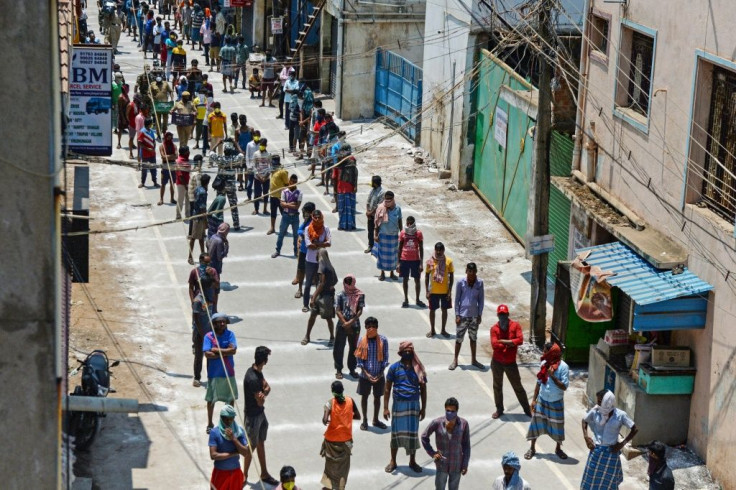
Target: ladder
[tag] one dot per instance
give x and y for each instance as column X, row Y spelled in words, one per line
column 306, row 28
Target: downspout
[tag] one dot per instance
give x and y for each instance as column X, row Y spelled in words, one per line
column 582, row 87
column 338, row 68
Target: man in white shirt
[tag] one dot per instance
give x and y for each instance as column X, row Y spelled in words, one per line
column 283, row 77
column 250, row 150
column 290, row 93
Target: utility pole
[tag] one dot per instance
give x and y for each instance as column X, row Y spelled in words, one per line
column 538, row 314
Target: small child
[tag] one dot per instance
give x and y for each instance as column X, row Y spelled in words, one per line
column 288, row 479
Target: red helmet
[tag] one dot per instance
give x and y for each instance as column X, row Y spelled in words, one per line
column 502, row 309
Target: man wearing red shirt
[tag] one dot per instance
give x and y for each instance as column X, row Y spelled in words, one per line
column 411, row 258
column 506, row 336
column 147, row 151
column 183, row 167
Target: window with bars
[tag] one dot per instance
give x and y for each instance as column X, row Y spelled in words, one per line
column 640, row 73
column 719, row 177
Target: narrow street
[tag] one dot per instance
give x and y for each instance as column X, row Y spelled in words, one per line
column 138, row 288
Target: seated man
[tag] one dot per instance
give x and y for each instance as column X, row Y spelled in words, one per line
column 254, row 84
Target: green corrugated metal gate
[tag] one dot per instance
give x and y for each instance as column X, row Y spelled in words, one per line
column 560, row 160
column 503, row 147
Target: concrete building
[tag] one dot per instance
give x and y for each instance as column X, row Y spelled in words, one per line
column 350, row 33
column 659, row 120
column 33, row 364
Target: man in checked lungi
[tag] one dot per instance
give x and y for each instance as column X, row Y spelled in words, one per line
column 603, row 468
column 548, row 405
column 388, row 226
column 407, row 379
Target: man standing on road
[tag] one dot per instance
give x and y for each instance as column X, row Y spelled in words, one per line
column 372, row 356
column 322, row 304
column 469, row 301
column 199, row 224
column 256, row 389
column 183, row 169
column 452, row 435
column 346, row 178
column 202, row 281
column 283, row 77
column 375, row 197
column 301, row 262
column 219, row 348
column 438, row 278
column 227, row 442
column 316, row 237
column 506, row 337
column 340, row 411
column 349, row 306
column 548, row 406
column 262, row 178
column 291, row 199
column 407, row 379
column 219, row 246
column 411, row 258
column 510, row 480
column 388, row 225
column 279, row 182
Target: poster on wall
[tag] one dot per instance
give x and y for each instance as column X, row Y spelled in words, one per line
column 277, row 25
column 89, row 130
column 590, row 290
column 502, row 122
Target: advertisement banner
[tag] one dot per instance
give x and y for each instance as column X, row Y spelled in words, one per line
column 277, row 25
column 590, row 290
column 89, row 131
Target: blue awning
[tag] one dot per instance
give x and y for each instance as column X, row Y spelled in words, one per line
column 662, row 300
column 639, row 279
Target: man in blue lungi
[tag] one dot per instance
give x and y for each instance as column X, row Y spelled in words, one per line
column 548, row 405
column 407, row 380
column 388, row 226
column 603, row 468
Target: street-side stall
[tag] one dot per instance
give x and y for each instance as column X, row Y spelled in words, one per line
column 627, row 310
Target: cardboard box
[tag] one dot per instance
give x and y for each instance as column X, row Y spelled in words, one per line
column 665, row 356
column 616, row 337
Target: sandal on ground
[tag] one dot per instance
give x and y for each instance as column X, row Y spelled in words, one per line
column 496, row 414
column 453, row 366
column 338, row 375
column 331, row 343
column 405, row 304
column 298, row 294
column 254, row 213
column 379, row 424
column 364, row 425
column 529, row 454
column 190, row 261
column 209, row 428
column 294, row 282
column 160, row 203
column 354, row 374
column 415, row 467
column 305, row 309
column 479, row 365
column 444, row 334
column 560, row 453
column 269, row 480
column 381, row 278
column 421, row 304
column 270, row 232
column 367, row 250
column 305, row 341
column 430, row 334
column 390, row 467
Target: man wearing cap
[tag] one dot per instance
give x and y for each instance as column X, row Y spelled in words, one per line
column 506, row 337
column 469, row 299
column 219, row 348
column 162, row 92
column 185, row 107
column 660, row 474
column 227, row 442
column 256, row 389
column 510, row 480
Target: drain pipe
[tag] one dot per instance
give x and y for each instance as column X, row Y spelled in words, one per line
column 582, row 88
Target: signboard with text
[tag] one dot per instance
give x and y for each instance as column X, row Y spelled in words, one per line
column 89, row 131
column 502, row 122
column 277, row 25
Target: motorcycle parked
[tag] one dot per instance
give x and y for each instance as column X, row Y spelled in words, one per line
column 95, row 382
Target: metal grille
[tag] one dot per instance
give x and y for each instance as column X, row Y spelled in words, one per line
column 398, row 94
column 640, row 72
column 720, row 164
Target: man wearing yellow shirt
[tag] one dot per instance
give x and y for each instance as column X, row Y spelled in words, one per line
column 438, row 279
column 279, row 183
column 218, row 128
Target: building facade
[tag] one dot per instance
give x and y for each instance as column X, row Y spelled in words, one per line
column 657, row 110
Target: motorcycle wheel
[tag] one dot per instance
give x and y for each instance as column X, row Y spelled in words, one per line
column 87, row 425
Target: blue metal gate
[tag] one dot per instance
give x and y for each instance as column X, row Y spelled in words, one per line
column 399, row 93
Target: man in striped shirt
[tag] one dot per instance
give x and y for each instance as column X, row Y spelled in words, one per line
column 452, row 435
column 372, row 357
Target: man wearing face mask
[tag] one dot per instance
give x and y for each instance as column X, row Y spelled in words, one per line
column 262, row 170
column 407, row 380
column 256, row 389
column 291, row 199
column 506, row 337
column 162, row 92
column 452, row 435
column 371, row 354
column 388, row 225
column 250, row 150
column 290, row 95
column 185, row 118
column 510, row 480
column 227, row 442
